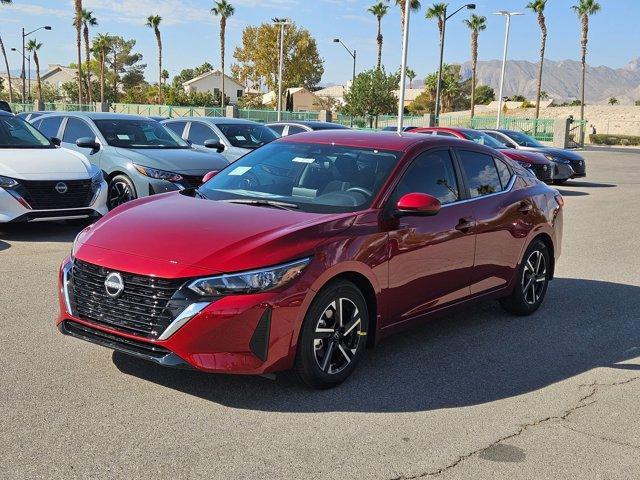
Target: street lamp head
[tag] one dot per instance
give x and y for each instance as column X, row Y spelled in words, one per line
column 471, row 6
column 336, row 40
column 48, row 27
column 505, row 13
column 14, row 50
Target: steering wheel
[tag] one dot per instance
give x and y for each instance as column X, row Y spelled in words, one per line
column 364, row 191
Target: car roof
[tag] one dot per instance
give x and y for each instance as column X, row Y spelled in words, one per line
column 215, row 120
column 309, row 123
column 6, row 114
column 444, row 129
column 101, row 115
column 376, row 140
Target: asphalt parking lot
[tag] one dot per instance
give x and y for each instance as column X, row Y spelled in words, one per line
column 478, row 394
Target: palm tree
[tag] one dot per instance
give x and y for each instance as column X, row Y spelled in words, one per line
column 613, row 101
column 4, row 54
column 224, row 10
column 410, row 75
column 476, row 24
column 414, row 6
column 438, row 11
column 379, row 10
column 33, row 46
column 153, row 21
column 78, row 24
column 88, row 20
column 101, row 45
column 584, row 8
column 537, row 6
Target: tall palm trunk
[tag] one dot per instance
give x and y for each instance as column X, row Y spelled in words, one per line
column 87, row 50
column 6, row 63
column 543, row 44
column 474, row 67
column 78, row 7
column 37, row 62
column 585, row 35
column 102, row 61
column 115, row 75
column 223, row 27
column 159, row 40
column 379, row 39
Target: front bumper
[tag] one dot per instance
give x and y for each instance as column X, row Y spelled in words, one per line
column 579, row 168
column 15, row 210
column 243, row 334
column 562, row 171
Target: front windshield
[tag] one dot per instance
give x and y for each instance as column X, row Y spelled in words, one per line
column 139, row 133
column 310, row 177
column 523, row 139
column 16, row 133
column 247, row 135
column 484, row 139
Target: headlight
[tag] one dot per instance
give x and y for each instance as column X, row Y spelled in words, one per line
column 564, row 161
column 96, row 180
column 250, row 282
column 7, row 182
column 159, row 174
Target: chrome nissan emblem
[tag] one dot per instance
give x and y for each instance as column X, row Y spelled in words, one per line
column 114, row 285
column 61, row 187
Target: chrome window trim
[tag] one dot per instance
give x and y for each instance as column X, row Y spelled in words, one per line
column 510, row 185
column 186, row 315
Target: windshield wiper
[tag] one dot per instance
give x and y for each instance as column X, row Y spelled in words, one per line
column 264, row 203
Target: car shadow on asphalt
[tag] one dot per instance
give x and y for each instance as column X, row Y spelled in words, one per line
column 471, row 357
column 572, row 193
column 40, row 232
column 574, row 183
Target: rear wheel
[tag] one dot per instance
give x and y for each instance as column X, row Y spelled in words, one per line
column 333, row 336
column 121, row 190
column 532, row 281
column 561, row 182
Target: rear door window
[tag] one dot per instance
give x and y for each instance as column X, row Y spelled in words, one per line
column 176, row 127
column 200, row 133
column 50, row 126
column 481, row 173
column 76, row 129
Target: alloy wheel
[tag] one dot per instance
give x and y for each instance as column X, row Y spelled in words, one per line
column 337, row 336
column 534, row 277
column 119, row 192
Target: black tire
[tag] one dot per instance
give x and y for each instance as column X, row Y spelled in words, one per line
column 121, row 190
column 532, row 280
column 344, row 345
column 561, row 182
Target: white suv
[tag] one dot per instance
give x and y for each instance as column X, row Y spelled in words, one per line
column 40, row 181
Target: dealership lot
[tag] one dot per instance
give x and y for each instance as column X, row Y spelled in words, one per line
column 478, row 394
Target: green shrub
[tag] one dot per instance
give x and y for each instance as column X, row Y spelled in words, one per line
column 605, row 139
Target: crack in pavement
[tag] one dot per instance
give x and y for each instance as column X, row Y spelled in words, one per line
column 580, row 404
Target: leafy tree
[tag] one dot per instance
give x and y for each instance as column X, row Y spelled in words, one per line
column 455, row 93
column 637, row 103
column 303, row 66
column 517, row 98
column 123, row 63
column 372, row 94
column 100, row 48
column 250, row 100
column 475, row 23
column 379, row 10
column 33, row 46
column 4, row 54
column 410, row 75
column 153, row 21
column 423, row 103
column 484, row 95
column 537, row 6
column 224, row 10
column 544, row 95
column 613, row 101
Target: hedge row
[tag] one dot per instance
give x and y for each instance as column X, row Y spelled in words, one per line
column 605, row 139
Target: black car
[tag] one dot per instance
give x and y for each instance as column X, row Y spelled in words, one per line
column 564, row 159
column 292, row 127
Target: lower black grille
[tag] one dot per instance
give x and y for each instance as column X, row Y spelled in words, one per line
column 143, row 308
column 45, row 195
column 541, row 173
column 578, row 167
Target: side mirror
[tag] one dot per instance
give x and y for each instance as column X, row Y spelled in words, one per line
column 219, row 147
column 56, row 141
column 417, row 204
column 88, row 142
column 209, row 176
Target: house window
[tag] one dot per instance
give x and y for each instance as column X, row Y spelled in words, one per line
column 238, row 93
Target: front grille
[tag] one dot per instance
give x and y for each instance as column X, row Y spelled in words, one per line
column 143, row 308
column 190, row 181
column 541, row 173
column 578, row 167
column 42, row 195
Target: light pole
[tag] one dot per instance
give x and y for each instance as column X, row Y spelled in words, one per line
column 444, row 18
column 28, row 59
column 354, row 56
column 403, row 64
column 283, row 22
column 508, row 16
column 24, row 36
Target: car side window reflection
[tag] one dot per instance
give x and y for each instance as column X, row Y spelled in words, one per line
column 481, row 173
column 200, row 133
column 431, row 173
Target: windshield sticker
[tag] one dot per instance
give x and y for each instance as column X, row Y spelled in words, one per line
column 303, row 160
column 239, row 170
column 240, row 138
column 123, row 137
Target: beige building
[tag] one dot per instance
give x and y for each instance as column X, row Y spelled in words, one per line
column 212, row 82
column 303, row 99
column 58, row 75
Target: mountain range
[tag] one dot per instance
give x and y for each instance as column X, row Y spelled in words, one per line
column 561, row 80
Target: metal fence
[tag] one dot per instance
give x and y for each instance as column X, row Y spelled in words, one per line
column 541, row 128
column 168, row 111
column 54, row 107
column 382, row 121
column 267, row 116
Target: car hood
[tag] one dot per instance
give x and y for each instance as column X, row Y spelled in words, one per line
column 179, row 160
column 558, row 152
column 526, row 156
column 210, row 235
column 43, row 164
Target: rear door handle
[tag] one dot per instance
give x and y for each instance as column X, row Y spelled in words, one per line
column 465, row 224
column 525, row 207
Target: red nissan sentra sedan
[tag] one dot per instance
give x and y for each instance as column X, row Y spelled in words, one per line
column 539, row 164
column 309, row 249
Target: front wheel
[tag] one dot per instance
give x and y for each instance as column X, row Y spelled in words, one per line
column 532, row 281
column 333, row 336
column 121, row 190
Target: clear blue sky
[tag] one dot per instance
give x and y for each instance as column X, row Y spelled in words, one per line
column 190, row 32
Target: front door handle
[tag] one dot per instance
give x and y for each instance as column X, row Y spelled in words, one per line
column 525, row 207
column 465, row 224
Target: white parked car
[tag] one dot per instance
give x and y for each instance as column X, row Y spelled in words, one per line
column 41, row 181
